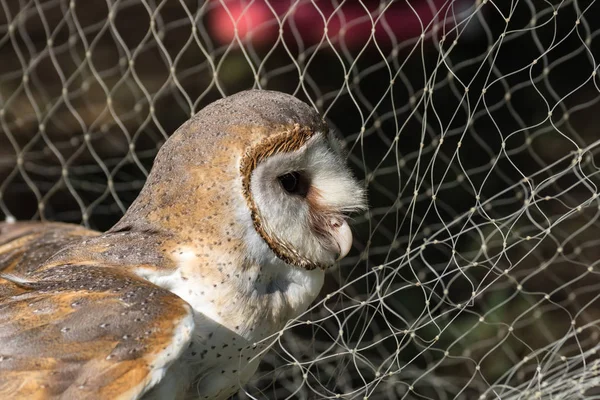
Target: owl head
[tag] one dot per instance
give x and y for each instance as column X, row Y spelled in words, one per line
column 260, row 168
column 300, row 193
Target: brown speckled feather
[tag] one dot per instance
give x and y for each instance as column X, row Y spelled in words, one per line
column 25, row 246
column 80, row 331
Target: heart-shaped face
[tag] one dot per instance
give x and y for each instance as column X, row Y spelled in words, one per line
column 300, row 192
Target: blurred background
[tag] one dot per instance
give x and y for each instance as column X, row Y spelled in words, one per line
column 472, row 124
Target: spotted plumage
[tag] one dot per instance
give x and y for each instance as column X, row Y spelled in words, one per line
column 244, row 209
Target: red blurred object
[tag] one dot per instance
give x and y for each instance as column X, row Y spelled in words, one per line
column 352, row 22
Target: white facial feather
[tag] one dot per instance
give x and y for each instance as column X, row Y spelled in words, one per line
column 332, row 179
column 287, row 216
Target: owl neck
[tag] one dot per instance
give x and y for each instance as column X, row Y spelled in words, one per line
column 250, row 299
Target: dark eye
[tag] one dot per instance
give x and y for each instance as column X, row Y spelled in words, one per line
column 294, row 183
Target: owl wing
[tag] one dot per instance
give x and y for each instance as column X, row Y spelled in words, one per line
column 25, row 246
column 87, row 332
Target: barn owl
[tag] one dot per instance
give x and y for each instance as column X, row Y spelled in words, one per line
column 244, row 210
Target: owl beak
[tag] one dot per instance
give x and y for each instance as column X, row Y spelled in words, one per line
column 341, row 233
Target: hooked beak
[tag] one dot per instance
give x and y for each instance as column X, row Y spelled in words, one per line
column 342, row 235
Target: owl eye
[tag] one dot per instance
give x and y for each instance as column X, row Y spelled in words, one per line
column 294, row 183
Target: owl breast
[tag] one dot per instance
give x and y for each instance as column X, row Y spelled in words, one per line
column 214, row 366
column 233, row 315
column 220, row 364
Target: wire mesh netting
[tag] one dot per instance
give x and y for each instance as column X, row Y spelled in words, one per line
column 472, row 124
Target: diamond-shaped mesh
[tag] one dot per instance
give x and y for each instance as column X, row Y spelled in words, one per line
column 474, row 125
